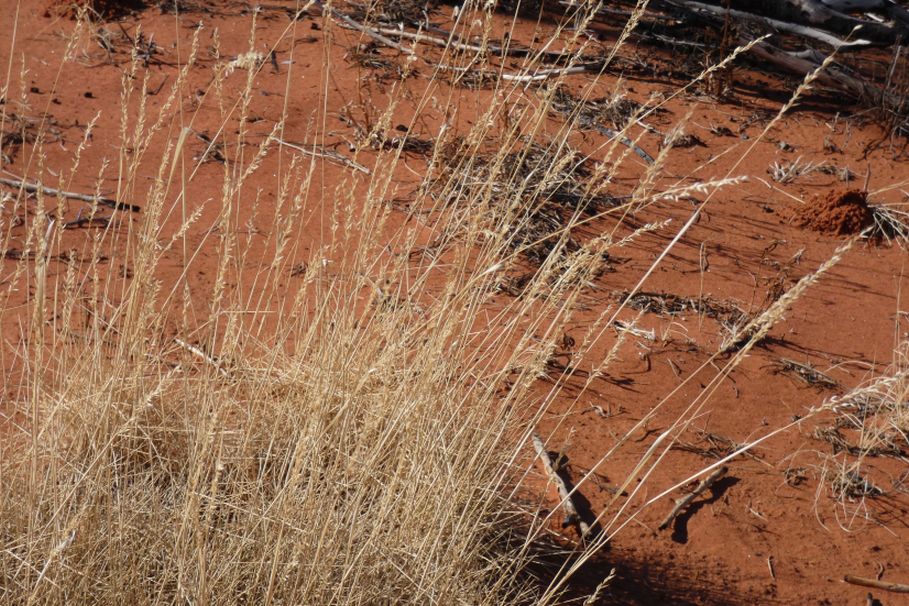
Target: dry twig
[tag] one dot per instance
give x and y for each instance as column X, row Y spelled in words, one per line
column 33, row 188
column 894, row 587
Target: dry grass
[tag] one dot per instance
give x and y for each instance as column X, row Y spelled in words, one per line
column 335, row 440
column 358, row 436
column 788, row 172
column 889, row 223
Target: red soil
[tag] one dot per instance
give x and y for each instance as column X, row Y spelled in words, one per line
column 837, row 212
column 770, row 533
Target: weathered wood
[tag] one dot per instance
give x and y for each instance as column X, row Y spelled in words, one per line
column 819, row 15
column 894, row 587
column 781, row 26
column 799, row 65
column 50, row 191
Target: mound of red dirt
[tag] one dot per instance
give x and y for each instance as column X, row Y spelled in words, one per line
column 836, row 212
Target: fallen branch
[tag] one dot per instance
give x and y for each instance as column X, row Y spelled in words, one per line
column 34, row 188
column 684, row 502
column 894, row 587
column 372, row 33
column 782, row 26
column 433, row 40
column 820, row 14
column 571, row 512
column 535, row 76
column 798, row 64
column 545, row 74
column 493, row 49
column 815, row 13
column 328, row 155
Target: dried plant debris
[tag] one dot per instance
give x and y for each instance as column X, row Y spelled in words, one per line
column 384, row 69
column 804, row 372
column 714, row 446
column 669, row 304
column 787, row 172
column 849, row 484
column 531, row 192
column 19, row 130
column 888, row 223
column 392, row 12
column 616, row 111
column 876, row 446
column 883, row 395
column 871, row 420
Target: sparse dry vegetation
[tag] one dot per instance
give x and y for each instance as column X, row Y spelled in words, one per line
column 312, row 385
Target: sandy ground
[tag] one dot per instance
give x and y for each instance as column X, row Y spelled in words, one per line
column 770, row 531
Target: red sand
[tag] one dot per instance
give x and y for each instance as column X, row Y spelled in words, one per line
column 757, row 538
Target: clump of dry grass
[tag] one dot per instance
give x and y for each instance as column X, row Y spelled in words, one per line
column 788, row 172
column 330, row 476
column 888, row 223
column 357, row 449
column 353, row 459
column 875, row 414
column 867, row 422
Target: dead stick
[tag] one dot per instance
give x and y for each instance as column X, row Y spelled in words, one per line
column 571, row 512
column 50, row 191
column 783, row 26
column 686, row 501
column 545, row 74
column 894, row 587
column 427, row 39
column 493, row 49
column 351, row 23
column 536, row 76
